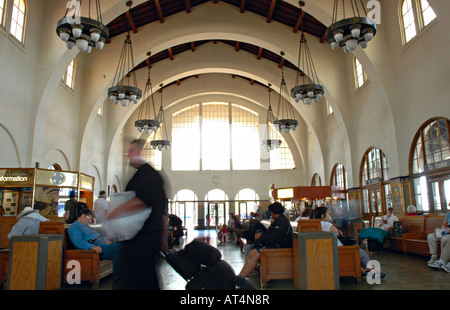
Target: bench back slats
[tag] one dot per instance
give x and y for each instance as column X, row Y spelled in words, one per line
column 309, row 225
column 433, row 222
column 413, row 224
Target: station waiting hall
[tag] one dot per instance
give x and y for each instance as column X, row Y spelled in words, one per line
column 181, row 144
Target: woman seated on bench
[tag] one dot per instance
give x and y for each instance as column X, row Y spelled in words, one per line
column 278, row 235
column 323, row 214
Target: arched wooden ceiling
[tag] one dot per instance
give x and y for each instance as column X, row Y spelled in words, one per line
column 272, row 10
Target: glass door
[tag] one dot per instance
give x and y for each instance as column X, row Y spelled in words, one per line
column 439, row 189
column 376, row 205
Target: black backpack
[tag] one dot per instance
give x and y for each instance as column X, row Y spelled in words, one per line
column 75, row 213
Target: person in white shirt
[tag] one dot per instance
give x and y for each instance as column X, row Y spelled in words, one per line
column 322, row 213
column 101, row 207
column 388, row 219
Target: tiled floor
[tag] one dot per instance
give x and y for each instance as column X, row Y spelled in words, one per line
column 404, row 272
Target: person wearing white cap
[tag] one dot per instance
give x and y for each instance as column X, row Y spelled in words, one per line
column 28, row 223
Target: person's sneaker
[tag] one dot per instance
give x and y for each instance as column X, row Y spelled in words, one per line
column 446, row 267
column 437, row 264
column 432, row 259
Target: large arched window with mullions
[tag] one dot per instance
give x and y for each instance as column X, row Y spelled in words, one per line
column 221, row 136
column 430, row 166
column 375, row 183
column 339, row 179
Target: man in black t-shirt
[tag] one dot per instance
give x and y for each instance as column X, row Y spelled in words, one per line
column 136, row 264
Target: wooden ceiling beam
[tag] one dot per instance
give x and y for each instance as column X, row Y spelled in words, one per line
column 187, row 4
column 299, row 21
column 323, row 38
column 242, row 6
column 272, row 8
column 259, row 53
column 133, row 27
column 158, row 9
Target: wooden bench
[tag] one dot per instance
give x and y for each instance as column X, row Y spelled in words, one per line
column 416, row 242
column 92, row 268
column 278, row 263
column 411, row 225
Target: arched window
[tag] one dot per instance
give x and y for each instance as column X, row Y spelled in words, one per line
column 316, row 181
column 197, row 128
column 408, row 21
column 430, row 166
column 414, row 16
column 427, row 13
column 2, row 13
column 18, row 15
column 185, row 206
column 339, row 178
column 360, row 74
column 375, row 183
column 69, row 76
column 247, row 200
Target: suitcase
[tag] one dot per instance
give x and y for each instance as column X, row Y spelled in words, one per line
column 203, row 253
column 183, row 264
column 201, row 265
column 219, row 276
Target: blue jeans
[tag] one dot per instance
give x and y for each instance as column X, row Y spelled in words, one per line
column 110, row 251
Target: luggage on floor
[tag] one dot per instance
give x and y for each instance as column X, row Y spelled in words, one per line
column 201, row 265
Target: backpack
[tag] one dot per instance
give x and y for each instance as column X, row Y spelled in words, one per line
column 76, row 208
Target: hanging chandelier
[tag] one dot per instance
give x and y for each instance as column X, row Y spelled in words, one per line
column 84, row 32
column 307, row 83
column 350, row 32
column 163, row 143
column 285, row 112
column 124, row 90
column 145, row 122
column 270, row 143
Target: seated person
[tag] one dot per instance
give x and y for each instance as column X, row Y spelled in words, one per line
column 411, row 210
column 323, row 214
column 85, row 238
column 443, row 261
column 28, row 223
column 176, row 225
column 388, row 219
column 278, row 235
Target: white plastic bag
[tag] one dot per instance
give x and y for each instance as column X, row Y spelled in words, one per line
column 125, row 227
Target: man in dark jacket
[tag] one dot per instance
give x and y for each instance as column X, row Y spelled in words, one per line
column 278, row 235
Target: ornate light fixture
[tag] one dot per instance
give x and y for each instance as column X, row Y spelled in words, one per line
column 350, row 32
column 145, row 122
column 270, row 143
column 307, row 84
column 163, row 143
column 122, row 92
column 84, row 32
column 285, row 112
